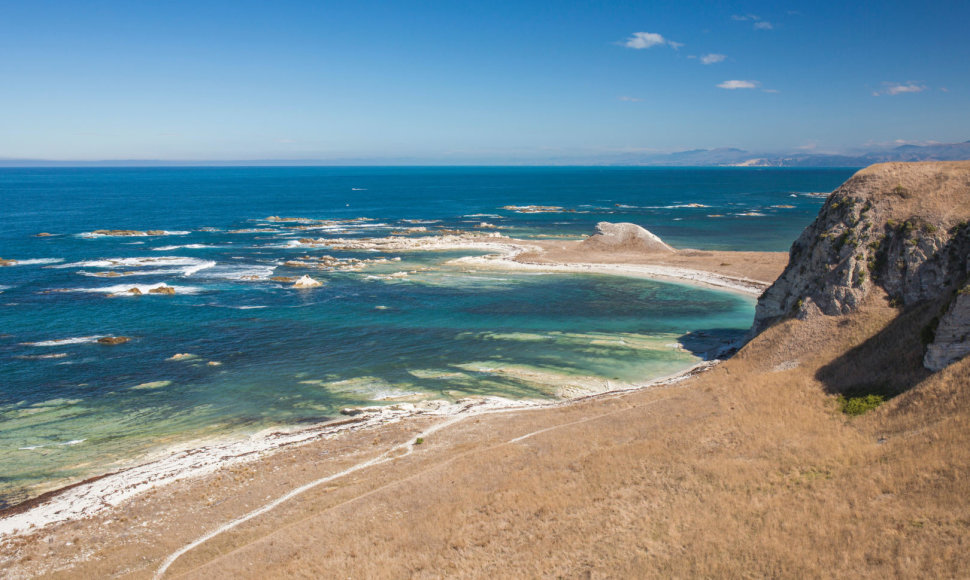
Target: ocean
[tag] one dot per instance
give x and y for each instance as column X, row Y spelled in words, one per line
column 235, row 351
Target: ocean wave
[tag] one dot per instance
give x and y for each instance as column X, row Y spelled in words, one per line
column 63, row 341
column 125, row 289
column 130, row 233
column 683, row 206
column 241, row 272
column 186, row 246
column 189, row 265
column 36, row 261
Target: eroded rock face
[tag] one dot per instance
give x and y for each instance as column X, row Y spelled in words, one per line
column 951, row 341
column 625, row 237
column 897, row 225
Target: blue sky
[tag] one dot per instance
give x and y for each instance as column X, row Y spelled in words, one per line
column 455, row 82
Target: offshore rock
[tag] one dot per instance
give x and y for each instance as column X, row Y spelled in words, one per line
column 307, row 282
column 163, row 290
column 624, row 237
column 110, row 340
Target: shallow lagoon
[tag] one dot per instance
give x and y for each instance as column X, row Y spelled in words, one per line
column 263, row 353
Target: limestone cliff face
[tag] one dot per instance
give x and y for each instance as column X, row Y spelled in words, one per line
column 951, row 340
column 900, row 226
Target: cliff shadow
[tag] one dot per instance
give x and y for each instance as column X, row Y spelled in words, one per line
column 889, row 362
column 713, row 343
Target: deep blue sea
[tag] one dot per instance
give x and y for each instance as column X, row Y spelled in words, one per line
column 234, row 351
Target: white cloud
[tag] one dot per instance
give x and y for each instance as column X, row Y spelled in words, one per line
column 759, row 23
column 893, row 89
column 630, row 99
column 641, row 40
column 732, row 85
column 712, row 58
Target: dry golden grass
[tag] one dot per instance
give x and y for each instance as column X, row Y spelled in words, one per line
column 933, row 191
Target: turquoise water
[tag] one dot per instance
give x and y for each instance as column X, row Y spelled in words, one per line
column 262, row 353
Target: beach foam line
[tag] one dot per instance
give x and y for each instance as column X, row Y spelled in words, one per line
column 665, row 273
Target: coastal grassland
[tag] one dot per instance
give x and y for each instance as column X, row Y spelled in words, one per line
column 748, row 470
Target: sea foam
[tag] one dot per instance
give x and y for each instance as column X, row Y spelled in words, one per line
column 64, row 341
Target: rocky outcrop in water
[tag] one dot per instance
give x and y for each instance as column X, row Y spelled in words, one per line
column 902, row 227
column 624, row 237
column 307, row 282
column 112, row 340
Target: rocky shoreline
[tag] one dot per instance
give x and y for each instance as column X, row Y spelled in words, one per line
column 93, row 495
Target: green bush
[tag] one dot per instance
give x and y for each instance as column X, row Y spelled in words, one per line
column 859, row 405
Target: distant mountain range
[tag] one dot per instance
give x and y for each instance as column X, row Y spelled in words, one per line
column 740, row 158
column 720, row 157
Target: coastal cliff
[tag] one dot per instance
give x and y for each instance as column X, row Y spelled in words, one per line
column 900, row 228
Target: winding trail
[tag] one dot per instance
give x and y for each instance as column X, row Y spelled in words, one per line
column 389, row 455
